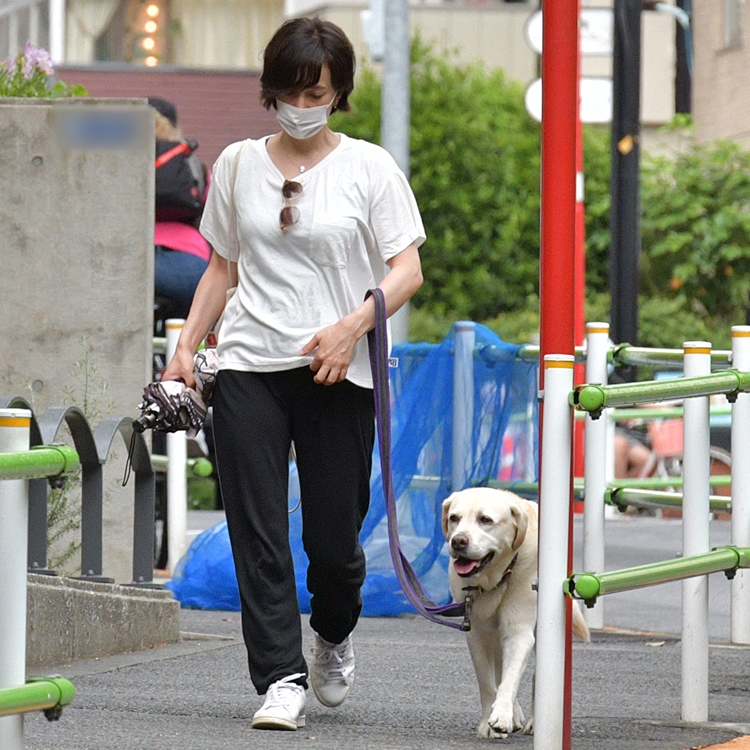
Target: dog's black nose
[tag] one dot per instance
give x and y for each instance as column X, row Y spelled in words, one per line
column 460, row 542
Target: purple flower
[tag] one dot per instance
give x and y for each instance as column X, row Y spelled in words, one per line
column 35, row 57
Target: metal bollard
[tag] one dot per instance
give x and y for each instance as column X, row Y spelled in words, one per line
column 176, row 476
column 554, row 523
column 595, row 466
column 463, row 403
column 15, row 431
column 695, row 539
column 740, row 592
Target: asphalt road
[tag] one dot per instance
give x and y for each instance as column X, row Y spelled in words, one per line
column 415, row 684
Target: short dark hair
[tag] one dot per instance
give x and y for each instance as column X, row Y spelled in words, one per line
column 293, row 59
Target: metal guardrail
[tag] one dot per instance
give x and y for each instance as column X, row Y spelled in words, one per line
column 42, row 461
column 668, row 359
column 589, row 586
column 196, row 467
column 48, row 694
column 645, row 498
column 664, row 412
column 92, row 448
column 594, row 398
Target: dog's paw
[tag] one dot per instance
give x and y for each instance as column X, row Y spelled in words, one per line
column 501, row 720
column 486, row 732
column 529, row 727
column 519, row 721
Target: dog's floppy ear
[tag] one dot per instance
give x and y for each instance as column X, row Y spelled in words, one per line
column 446, row 510
column 519, row 515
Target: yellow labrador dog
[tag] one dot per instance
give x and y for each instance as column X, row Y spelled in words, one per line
column 492, row 536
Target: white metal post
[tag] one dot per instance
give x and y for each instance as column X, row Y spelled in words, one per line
column 176, row 472
column 695, row 541
column 463, row 402
column 14, row 528
column 739, row 630
column 57, row 31
column 554, row 522
column 595, row 467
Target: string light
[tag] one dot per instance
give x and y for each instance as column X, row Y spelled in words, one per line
column 150, row 27
column 152, row 11
column 148, row 43
column 152, row 61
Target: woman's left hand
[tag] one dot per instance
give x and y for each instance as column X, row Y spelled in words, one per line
column 334, row 348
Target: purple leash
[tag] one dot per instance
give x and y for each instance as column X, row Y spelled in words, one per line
column 410, row 584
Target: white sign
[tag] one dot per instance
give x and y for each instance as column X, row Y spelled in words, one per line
column 596, row 100
column 597, row 30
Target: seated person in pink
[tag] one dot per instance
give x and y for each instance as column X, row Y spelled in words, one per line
column 182, row 254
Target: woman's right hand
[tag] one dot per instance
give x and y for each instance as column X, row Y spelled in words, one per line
column 181, row 368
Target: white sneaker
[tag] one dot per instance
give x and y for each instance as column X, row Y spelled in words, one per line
column 284, row 706
column 332, row 673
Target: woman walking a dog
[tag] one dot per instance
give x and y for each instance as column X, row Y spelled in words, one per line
column 312, row 219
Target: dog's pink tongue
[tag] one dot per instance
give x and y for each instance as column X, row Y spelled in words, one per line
column 464, row 567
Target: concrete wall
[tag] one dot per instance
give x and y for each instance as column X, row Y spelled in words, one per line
column 721, row 105
column 69, row 620
column 76, row 248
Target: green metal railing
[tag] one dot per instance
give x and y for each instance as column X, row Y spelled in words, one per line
column 625, row 354
column 594, row 398
column 48, row 694
column 39, row 693
column 196, row 467
column 589, row 586
column 41, row 461
column 664, row 412
column 670, row 359
column 655, row 483
column 643, row 498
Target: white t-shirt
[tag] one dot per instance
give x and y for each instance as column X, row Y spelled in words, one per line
column 356, row 211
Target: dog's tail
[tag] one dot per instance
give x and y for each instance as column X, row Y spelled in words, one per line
column 580, row 628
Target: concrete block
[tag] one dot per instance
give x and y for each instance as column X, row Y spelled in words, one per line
column 70, row 619
column 77, row 239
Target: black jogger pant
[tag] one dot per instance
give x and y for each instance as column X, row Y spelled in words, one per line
column 256, row 416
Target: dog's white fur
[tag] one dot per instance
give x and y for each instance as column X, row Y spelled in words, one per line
column 493, row 526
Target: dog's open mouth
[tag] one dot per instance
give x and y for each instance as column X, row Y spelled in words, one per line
column 465, row 567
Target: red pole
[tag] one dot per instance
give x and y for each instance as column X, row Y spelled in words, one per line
column 557, row 287
column 579, row 373
column 559, row 110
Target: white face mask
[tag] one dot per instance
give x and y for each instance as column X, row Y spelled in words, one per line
column 302, row 123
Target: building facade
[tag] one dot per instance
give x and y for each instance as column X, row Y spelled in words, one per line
column 721, row 97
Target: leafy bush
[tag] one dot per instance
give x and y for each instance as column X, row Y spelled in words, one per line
column 475, row 172
column 29, row 75
column 475, row 165
column 696, row 227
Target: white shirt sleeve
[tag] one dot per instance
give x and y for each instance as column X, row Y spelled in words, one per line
column 394, row 215
column 219, row 221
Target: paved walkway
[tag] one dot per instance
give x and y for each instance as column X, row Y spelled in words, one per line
column 415, row 688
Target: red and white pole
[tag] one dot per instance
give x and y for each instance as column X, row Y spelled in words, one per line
column 550, row 715
column 557, row 270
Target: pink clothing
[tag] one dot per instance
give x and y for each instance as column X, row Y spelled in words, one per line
column 181, row 237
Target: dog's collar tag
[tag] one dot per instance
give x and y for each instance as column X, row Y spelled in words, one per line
column 466, row 624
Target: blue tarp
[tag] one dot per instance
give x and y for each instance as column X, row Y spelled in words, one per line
column 504, row 445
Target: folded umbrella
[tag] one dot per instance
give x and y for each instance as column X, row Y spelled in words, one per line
column 171, row 406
